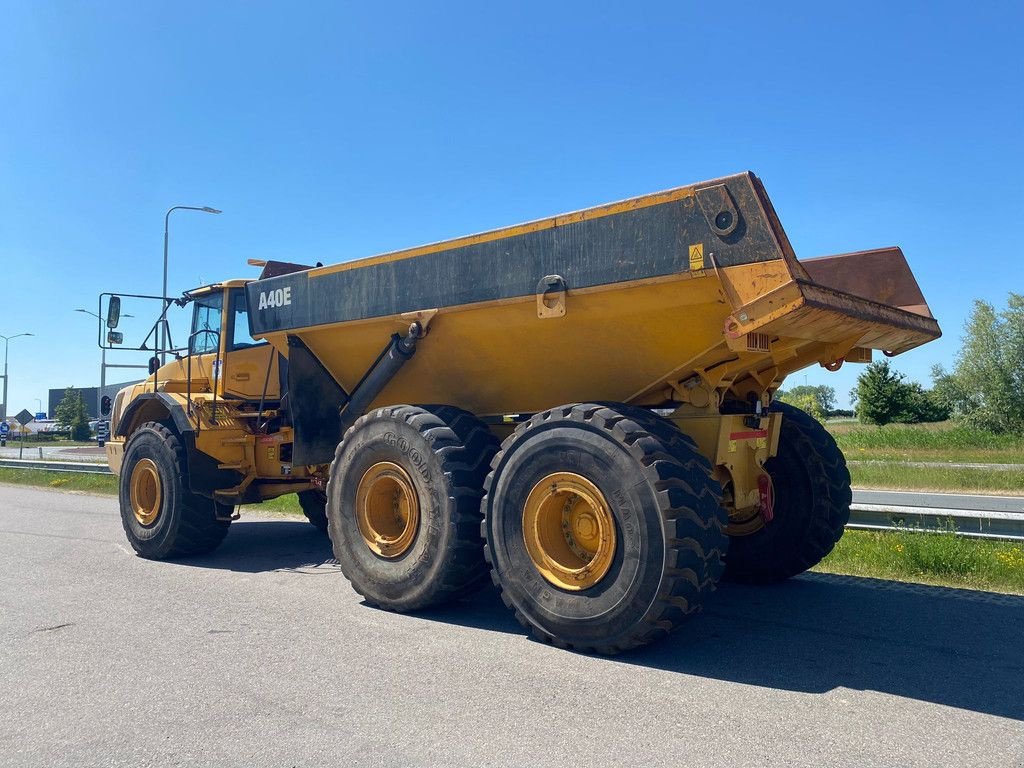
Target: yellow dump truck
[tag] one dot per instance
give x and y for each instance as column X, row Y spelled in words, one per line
column 580, row 407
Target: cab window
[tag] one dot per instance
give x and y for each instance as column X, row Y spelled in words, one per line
column 240, row 338
column 206, row 323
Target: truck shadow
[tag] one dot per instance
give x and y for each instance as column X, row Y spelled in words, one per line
column 813, row 634
column 819, row 632
column 257, row 546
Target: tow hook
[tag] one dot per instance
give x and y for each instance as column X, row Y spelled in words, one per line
column 767, row 495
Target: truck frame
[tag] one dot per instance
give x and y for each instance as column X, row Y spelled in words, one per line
column 580, row 407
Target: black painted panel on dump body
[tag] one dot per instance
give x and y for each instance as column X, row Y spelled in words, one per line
column 314, row 403
column 632, row 244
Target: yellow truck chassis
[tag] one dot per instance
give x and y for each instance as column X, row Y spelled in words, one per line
column 581, row 406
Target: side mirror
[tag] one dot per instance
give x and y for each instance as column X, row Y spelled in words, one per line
column 105, row 405
column 115, row 337
column 114, row 312
column 154, row 364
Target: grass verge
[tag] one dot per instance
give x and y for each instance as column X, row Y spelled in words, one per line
column 284, row 505
column 901, row 476
column 942, row 441
column 107, row 484
column 66, row 481
column 929, row 558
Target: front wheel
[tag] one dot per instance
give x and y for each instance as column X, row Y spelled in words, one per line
column 812, row 505
column 160, row 515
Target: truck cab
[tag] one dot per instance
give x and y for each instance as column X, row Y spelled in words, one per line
column 219, row 392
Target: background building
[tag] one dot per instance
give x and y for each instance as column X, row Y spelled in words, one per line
column 91, row 396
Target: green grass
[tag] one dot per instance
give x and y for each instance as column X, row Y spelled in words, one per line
column 886, row 451
column 943, row 441
column 107, row 484
column 898, row 476
column 286, row 505
column 66, row 481
column 929, row 558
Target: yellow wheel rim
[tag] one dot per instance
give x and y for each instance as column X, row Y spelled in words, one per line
column 145, row 492
column 569, row 531
column 387, row 509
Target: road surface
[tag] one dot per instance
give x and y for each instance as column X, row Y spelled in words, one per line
column 54, row 452
column 980, row 502
column 261, row 654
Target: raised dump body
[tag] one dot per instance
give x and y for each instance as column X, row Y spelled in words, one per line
column 625, row 356
column 623, row 302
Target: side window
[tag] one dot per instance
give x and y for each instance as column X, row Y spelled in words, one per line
column 206, row 324
column 240, row 338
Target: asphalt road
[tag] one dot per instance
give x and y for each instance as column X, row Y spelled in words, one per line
column 981, row 502
column 51, row 452
column 261, row 655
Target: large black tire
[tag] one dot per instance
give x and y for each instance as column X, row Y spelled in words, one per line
column 667, row 514
column 314, row 507
column 812, row 505
column 185, row 523
column 445, row 452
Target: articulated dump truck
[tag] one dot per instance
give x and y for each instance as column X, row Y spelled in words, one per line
column 580, row 408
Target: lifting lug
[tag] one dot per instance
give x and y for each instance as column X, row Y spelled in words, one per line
column 551, row 296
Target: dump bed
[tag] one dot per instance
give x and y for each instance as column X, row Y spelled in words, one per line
column 623, row 302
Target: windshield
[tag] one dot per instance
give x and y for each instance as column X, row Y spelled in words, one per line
column 206, row 323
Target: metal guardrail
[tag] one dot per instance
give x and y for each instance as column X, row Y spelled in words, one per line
column 970, row 522
column 984, row 524
column 976, row 523
column 83, row 467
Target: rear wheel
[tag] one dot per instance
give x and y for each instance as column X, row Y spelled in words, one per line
column 604, row 526
column 812, row 505
column 404, row 504
column 160, row 515
column 314, row 507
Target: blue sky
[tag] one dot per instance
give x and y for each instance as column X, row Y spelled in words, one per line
column 330, row 131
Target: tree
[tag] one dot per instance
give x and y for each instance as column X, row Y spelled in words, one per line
column 823, row 397
column 986, row 384
column 946, row 391
column 880, row 394
column 72, row 413
column 922, row 405
column 806, row 403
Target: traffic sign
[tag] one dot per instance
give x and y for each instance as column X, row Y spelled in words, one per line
column 24, row 417
column 5, row 428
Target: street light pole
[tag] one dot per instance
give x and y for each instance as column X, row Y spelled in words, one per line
column 103, row 365
column 7, row 340
column 163, row 291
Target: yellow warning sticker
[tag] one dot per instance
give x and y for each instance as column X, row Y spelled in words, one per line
column 696, row 257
